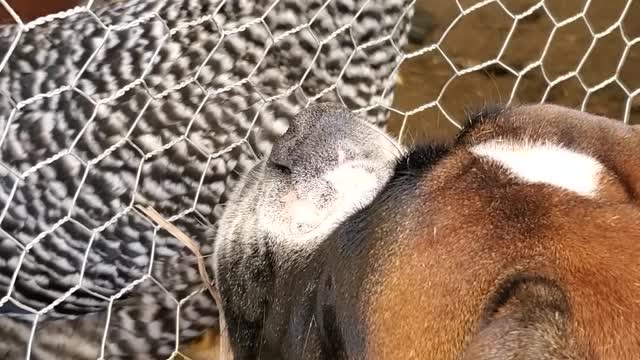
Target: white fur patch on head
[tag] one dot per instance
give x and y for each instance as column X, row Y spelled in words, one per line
column 545, row 163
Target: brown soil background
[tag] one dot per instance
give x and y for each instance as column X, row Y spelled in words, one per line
column 478, row 37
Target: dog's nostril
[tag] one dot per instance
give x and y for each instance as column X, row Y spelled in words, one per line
column 280, row 163
column 282, row 168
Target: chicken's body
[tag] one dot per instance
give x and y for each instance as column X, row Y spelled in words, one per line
column 73, row 161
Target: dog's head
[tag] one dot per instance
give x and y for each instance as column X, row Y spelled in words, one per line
column 325, row 166
column 521, row 238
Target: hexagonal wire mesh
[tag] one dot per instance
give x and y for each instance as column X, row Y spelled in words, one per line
column 164, row 102
column 105, row 106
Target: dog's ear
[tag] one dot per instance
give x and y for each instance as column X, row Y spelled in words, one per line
column 528, row 318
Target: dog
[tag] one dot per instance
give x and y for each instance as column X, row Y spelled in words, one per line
column 520, row 239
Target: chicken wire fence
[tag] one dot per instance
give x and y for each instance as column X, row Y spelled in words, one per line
column 575, row 53
column 163, row 103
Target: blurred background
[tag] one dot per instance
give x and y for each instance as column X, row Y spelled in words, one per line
column 480, row 36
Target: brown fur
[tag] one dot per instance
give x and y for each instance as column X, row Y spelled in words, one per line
column 458, row 259
column 470, row 228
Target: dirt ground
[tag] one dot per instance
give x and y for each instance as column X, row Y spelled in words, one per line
column 479, row 36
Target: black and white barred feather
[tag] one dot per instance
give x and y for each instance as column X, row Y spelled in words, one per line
column 129, row 127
